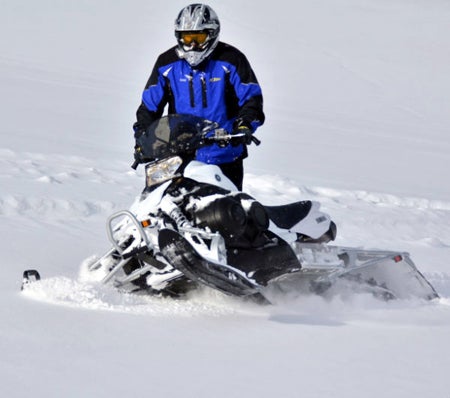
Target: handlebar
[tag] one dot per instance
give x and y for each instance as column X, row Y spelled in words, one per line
column 220, row 137
column 255, row 140
column 135, row 164
column 223, row 138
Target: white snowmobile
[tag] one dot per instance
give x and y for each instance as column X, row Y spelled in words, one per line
column 192, row 227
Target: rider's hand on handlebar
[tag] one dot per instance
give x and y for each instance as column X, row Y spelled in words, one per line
column 139, row 156
column 243, row 129
column 247, row 134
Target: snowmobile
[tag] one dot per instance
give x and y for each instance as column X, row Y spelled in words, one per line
column 191, row 227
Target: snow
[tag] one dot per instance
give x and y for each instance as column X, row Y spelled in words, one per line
column 357, row 105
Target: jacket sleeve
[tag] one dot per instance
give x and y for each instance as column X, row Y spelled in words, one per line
column 154, row 99
column 248, row 93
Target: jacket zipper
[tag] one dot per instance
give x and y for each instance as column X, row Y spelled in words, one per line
column 204, row 98
column 191, row 90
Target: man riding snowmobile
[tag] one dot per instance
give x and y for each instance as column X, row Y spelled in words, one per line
column 204, row 77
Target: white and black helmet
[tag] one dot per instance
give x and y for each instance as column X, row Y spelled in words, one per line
column 197, row 30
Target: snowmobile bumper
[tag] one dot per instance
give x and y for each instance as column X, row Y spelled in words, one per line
column 332, row 269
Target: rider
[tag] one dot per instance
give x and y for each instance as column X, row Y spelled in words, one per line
column 204, row 77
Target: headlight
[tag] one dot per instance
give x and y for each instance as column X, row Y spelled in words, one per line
column 156, row 173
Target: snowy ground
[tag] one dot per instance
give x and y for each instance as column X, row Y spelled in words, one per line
column 357, row 105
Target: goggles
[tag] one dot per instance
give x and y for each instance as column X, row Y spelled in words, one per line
column 190, row 37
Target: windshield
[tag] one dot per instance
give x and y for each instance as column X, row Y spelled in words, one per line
column 174, row 135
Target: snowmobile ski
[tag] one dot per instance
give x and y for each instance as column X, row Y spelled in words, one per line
column 29, row 276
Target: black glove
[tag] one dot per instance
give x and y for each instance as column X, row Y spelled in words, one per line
column 139, row 157
column 242, row 128
column 138, row 130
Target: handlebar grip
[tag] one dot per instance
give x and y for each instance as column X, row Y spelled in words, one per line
column 135, row 165
column 255, row 140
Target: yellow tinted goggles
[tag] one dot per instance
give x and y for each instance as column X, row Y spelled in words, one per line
column 190, row 37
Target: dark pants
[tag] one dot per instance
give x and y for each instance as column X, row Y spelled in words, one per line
column 234, row 171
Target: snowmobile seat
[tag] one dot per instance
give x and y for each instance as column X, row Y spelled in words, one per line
column 286, row 216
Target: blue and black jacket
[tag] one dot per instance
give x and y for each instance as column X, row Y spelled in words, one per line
column 223, row 89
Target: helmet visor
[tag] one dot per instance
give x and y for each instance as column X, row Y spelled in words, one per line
column 189, row 38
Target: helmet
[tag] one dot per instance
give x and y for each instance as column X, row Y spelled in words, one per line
column 197, row 30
